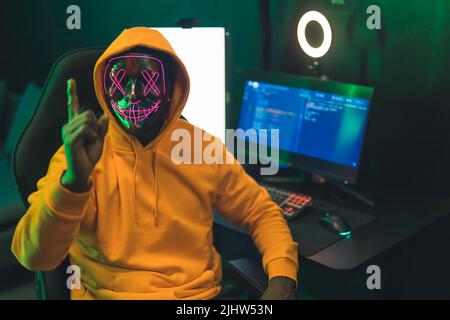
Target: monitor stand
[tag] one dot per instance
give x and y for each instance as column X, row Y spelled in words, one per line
column 352, row 193
column 345, row 188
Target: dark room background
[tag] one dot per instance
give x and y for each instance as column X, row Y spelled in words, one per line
column 407, row 62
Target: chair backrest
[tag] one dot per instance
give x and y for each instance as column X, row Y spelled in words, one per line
column 42, row 137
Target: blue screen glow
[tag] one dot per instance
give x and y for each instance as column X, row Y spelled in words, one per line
column 312, row 123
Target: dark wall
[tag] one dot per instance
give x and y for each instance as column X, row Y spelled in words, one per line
column 35, row 32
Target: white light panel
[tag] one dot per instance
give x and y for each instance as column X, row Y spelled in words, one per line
column 202, row 50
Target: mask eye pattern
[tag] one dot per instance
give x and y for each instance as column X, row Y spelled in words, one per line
column 151, row 82
column 117, row 79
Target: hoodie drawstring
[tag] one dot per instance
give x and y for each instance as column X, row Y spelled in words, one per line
column 133, row 188
column 155, row 174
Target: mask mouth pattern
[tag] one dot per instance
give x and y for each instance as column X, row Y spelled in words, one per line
column 135, row 86
column 135, row 114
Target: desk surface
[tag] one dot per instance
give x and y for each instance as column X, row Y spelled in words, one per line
column 398, row 217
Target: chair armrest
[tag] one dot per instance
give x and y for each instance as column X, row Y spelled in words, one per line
column 250, row 274
column 51, row 285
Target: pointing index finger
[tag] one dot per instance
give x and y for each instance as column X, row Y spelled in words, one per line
column 73, row 105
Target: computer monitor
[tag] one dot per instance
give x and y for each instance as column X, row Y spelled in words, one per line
column 321, row 123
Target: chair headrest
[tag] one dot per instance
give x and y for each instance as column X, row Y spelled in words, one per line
column 42, row 137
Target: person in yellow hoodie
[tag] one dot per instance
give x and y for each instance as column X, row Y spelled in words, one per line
column 137, row 224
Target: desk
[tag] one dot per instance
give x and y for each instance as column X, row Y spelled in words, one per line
column 398, row 219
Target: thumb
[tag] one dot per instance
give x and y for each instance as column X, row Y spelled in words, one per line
column 103, row 126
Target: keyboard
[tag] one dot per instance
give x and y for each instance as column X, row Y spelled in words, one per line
column 292, row 203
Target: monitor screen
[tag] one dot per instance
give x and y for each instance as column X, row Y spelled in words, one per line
column 321, row 123
column 202, row 51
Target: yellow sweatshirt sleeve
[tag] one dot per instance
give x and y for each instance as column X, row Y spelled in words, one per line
column 246, row 204
column 45, row 233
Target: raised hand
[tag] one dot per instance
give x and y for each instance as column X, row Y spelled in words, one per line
column 83, row 138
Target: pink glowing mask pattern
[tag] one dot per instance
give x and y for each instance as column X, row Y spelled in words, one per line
column 152, row 82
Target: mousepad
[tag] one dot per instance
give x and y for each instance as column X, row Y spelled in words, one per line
column 313, row 236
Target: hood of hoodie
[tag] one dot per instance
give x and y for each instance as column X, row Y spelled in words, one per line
column 153, row 39
column 118, row 137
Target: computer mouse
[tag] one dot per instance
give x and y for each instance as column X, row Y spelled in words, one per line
column 335, row 223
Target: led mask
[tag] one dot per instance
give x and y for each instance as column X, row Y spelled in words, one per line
column 135, row 86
